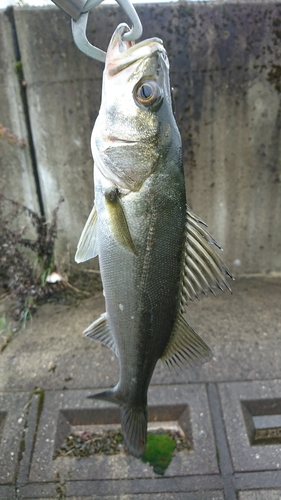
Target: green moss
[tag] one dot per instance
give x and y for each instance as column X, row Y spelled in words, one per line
column 158, row 452
column 19, row 70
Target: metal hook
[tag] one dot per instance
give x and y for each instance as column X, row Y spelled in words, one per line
column 80, row 38
column 79, row 27
column 71, row 7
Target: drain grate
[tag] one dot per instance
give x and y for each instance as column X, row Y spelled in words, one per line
column 96, row 420
column 66, row 412
column 252, row 415
column 263, row 421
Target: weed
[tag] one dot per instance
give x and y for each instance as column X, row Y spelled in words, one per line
column 11, row 138
column 4, row 328
column 23, row 277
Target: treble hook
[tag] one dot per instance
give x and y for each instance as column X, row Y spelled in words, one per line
column 78, row 10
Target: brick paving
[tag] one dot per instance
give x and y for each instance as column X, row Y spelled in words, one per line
column 220, row 415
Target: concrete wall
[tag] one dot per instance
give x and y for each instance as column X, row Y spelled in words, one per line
column 16, row 172
column 226, row 71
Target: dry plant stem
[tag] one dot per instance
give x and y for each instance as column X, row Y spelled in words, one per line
column 75, row 289
column 94, row 271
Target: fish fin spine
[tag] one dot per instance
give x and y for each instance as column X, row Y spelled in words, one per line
column 203, row 269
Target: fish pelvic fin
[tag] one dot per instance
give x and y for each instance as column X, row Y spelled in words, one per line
column 118, row 222
column 203, row 269
column 133, row 421
column 87, row 247
column 186, row 348
column 99, row 330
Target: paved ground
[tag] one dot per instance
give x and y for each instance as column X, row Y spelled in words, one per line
column 47, row 371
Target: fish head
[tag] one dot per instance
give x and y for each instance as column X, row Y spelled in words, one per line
column 136, row 121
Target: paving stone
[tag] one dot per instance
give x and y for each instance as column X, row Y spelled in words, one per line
column 13, row 408
column 38, row 491
column 237, row 400
column 209, row 495
column 260, row 495
column 30, row 434
column 62, row 410
column 201, row 495
column 7, row 492
column 145, row 486
column 257, row 480
column 221, row 442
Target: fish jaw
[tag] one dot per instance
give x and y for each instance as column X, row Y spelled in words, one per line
column 122, row 53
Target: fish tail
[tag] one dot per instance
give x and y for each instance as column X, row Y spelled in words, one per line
column 134, row 427
column 133, row 421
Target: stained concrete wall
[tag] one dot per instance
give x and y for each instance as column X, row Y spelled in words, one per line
column 16, row 172
column 226, row 72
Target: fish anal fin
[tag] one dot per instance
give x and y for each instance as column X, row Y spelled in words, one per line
column 118, row 221
column 186, row 348
column 99, row 330
column 87, row 247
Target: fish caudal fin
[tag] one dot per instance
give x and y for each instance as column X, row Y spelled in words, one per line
column 134, row 427
column 133, row 422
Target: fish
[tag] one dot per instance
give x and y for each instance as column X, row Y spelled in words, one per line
column 155, row 254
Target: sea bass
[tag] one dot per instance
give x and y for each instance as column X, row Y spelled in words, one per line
column 155, row 254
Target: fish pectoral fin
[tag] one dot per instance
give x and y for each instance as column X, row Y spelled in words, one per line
column 203, row 269
column 117, row 219
column 99, row 330
column 186, row 348
column 87, row 247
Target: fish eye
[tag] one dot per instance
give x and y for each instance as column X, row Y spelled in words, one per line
column 147, row 93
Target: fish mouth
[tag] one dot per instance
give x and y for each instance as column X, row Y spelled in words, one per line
column 123, row 53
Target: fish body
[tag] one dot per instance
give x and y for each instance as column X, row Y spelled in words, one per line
column 153, row 250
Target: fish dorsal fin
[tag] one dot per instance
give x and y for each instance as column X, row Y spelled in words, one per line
column 203, row 269
column 87, row 247
column 99, row 330
column 185, row 348
column 117, row 220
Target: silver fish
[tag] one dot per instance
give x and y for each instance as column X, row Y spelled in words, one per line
column 155, row 253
